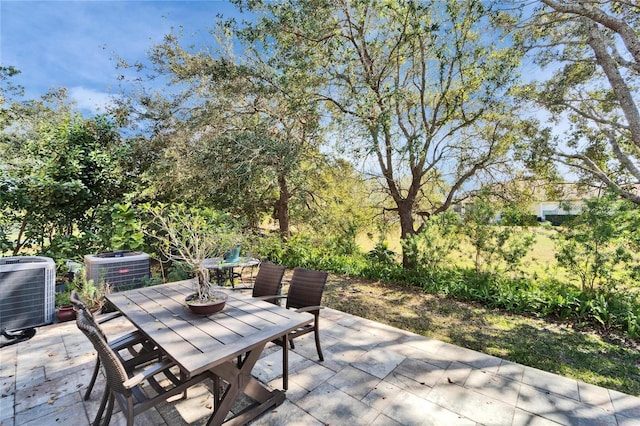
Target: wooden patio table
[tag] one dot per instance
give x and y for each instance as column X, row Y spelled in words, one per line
column 199, row 343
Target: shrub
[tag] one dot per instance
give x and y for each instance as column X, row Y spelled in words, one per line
column 492, row 242
column 597, row 241
column 435, row 241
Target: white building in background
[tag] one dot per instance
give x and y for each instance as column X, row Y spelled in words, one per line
column 557, row 208
column 568, row 200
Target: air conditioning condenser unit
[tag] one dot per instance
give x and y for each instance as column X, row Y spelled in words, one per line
column 27, row 296
column 121, row 270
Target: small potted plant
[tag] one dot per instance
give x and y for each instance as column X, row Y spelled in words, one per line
column 191, row 235
column 92, row 294
column 64, row 309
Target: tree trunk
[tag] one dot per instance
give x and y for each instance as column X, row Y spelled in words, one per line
column 407, row 230
column 282, row 207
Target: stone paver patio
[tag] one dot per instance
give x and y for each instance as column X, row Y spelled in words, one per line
column 373, row 374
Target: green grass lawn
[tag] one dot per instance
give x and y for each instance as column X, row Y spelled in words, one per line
column 604, row 360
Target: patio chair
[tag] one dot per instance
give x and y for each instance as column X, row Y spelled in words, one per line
column 304, row 295
column 125, row 386
column 268, row 282
column 138, row 346
column 267, row 285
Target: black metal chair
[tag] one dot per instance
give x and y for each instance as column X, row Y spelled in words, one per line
column 304, row 295
column 125, row 386
column 140, row 349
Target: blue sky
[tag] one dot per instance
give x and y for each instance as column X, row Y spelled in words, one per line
column 72, row 44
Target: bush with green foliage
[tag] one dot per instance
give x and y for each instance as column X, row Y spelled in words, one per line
column 600, row 240
column 127, row 231
column 513, row 215
column 437, row 239
column 605, row 308
column 492, row 242
column 381, row 254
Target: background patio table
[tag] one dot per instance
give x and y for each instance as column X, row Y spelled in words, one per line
column 199, row 343
column 225, row 270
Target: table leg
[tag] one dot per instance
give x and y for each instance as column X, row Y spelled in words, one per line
column 223, row 275
column 239, row 381
column 220, row 277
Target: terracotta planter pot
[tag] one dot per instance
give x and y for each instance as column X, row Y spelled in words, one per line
column 65, row 313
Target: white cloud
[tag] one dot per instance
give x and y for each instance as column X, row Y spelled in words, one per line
column 90, row 100
column 73, row 44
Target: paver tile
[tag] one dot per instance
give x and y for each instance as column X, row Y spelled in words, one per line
column 50, row 391
column 7, row 397
column 431, row 357
column 8, row 361
column 379, row 362
column 419, row 389
column 381, row 396
column 422, row 372
column 332, row 406
column 287, row 414
column 410, row 410
column 468, row 356
column 423, row 343
column 383, row 420
column 312, row 376
column 625, row 405
column 68, row 409
column 568, row 388
column 338, row 331
column 626, row 421
column 372, row 375
column 524, row 418
column 457, row 373
column 198, row 406
column 595, row 395
column 560, row 409
column 494, row 386
column 354, row 382
column 471, row 404
column 511, row 370
column 269, row 367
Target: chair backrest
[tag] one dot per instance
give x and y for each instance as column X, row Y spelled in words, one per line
column 268, row 280
column 113, row 368
column 306, row 288
column 79, row 305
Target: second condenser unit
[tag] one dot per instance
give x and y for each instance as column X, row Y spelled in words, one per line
column 121, row 270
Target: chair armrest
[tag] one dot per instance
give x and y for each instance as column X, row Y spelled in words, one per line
column 148, row 372
column 274, row 297
column 309, row 309
column 127, row 340
column 108, row 317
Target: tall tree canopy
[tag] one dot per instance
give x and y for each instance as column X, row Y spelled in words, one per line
column 233, row 129
column 425, row 89
column 593, row 51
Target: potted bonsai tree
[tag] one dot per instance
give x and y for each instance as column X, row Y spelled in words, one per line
column 191, row 235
